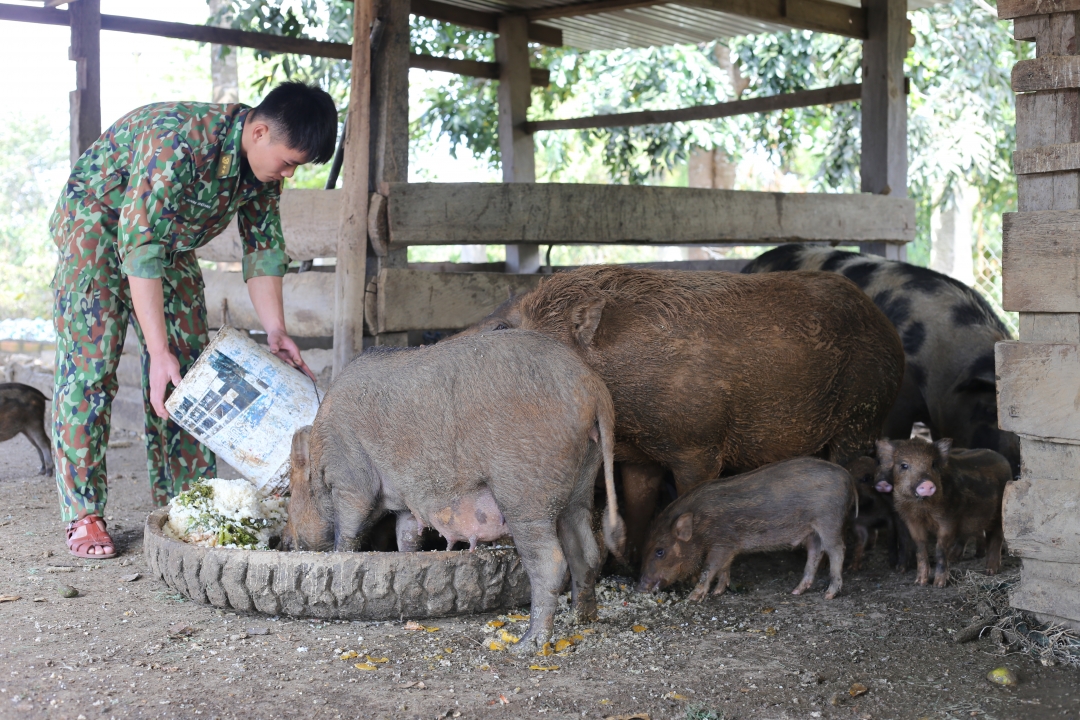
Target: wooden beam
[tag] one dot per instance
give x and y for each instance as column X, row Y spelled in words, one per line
column 1041, row 262
column 1009, row 9
column 307, row 313
column 350, row 276
column 472, row 68
column 389, row 131
column 416, row 300
column 85, row 99
column 1047, row 158
column 310, row 220
column 480, row 20
column 883, row 164
column 1061, row 72
column 516, row 147
column 1035, row 526
column 818, row 15
column 785, row 101
column 1038, row 384
column 579, row 214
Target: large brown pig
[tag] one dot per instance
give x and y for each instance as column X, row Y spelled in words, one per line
column 720, row 373
column 501, row 434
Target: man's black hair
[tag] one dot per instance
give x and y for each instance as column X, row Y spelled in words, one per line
column 305, row 114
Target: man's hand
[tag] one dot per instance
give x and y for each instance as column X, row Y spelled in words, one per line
column 164, row 369
column 285, row 348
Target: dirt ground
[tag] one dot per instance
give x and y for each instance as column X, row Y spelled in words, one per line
column 124, row 649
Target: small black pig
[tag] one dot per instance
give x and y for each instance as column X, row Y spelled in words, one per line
column 874, row 512
column 804, row 501
column 480, row 437
column 22, row 410
column 952, row 494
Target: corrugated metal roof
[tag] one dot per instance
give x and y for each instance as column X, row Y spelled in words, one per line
column 666, row 24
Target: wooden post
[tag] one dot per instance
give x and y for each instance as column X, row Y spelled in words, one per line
column 389, row 128
column 350, row 273
column 516, row 145
column 1042, row 522
column 884, row 105
column 85, row 99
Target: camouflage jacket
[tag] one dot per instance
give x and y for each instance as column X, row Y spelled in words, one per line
column 167, row 178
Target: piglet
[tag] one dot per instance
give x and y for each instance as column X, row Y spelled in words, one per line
column 804, row 501
column 952, row 494
column 22, row 410
column 874, row 511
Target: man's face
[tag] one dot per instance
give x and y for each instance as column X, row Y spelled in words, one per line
column 269, row 159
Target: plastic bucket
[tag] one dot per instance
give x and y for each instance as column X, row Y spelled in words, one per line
column 244, row 403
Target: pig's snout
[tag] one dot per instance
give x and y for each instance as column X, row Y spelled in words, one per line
column 883, row 486
column 925, row 489
column 648, row 584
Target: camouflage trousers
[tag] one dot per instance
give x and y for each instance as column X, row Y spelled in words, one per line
column 91, row 311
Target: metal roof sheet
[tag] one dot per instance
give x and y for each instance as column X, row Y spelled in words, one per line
column 664, row 24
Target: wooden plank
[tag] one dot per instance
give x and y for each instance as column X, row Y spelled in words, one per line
column 85, row 99
column 785, row 101
column 579, row 214
column 1040, row 262
column 1056, row 72
column 1009, row 9
column 415, row 300
column 1048, row 158
column 883, row 164
column 1051, row 590
column 352, row 243
column 480, row 20
column 1038, row 389
column 307, row 313
column 1042, row 518
column 472, row 68
column 389, row 133
column 1050, row 327
column 515, row 143
column 310, row 220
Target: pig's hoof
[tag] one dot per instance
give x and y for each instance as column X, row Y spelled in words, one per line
column 527, row 645
column 830, row 593
column 941, row 581
column 584, row 616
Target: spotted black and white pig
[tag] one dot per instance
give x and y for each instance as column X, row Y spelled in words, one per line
column 948, row 331
column 480, row 437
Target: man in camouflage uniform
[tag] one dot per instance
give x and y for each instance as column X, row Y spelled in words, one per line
column 162, row 181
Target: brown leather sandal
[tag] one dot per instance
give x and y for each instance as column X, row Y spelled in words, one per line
column 95, row 537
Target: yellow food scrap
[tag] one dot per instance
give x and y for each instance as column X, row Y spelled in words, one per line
column 349, row 655
column 766, row 611
column 448, row 650
column 562, row 644
column 496, row 645
column 590, row 631
column 365, row 666
column 508, row 638
column 675, row 696
column 546, row 650
column 432, row 629
column 543, row 668
column 496, row 623
column 639, row 628
column 1002, row 676
column 770, row 631
column 379, row 661
column 578, row 638
column 857, row 689
column 515, row 617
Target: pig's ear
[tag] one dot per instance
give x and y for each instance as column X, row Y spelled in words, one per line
column 684, row 527
column 944, row 447
column 885, row 453
column 300, row 456
column 584, row 318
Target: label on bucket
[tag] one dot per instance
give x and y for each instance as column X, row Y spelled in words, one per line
column 244, row 403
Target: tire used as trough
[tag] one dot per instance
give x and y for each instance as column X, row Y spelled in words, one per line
column 338, row 585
